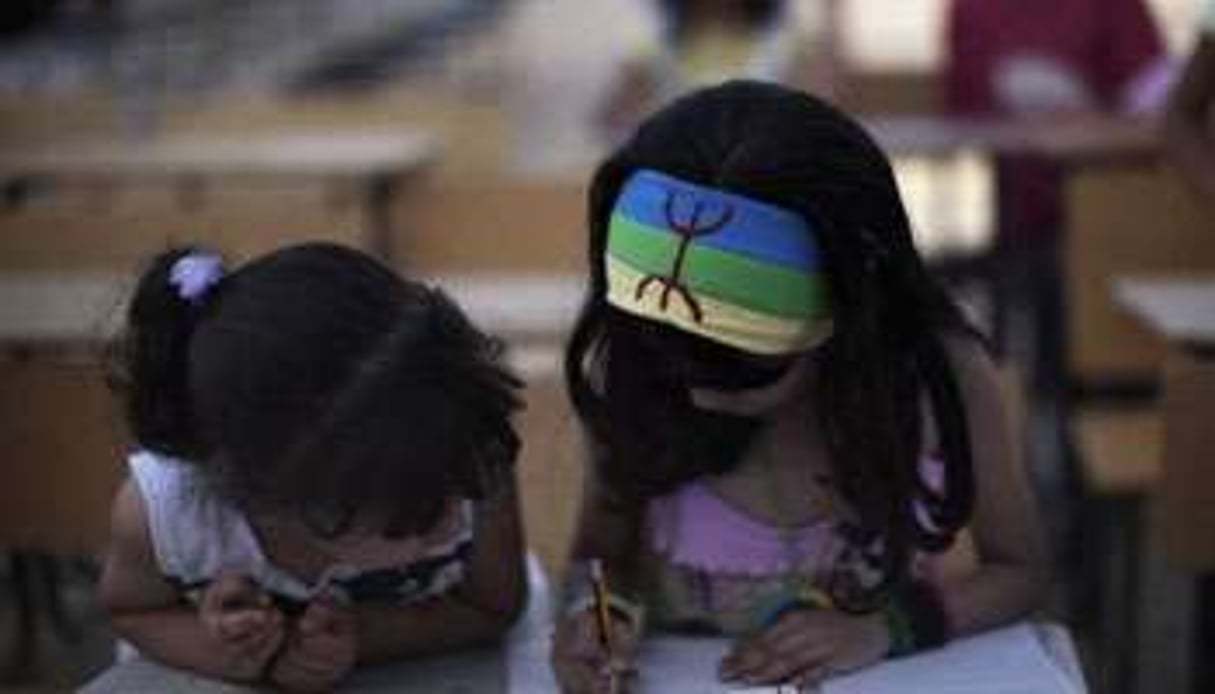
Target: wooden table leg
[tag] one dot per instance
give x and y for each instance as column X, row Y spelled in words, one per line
column 1202, row 657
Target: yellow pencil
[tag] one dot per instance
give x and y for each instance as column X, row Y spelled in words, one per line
column 603, row 618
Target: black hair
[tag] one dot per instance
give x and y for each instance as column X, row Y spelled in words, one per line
column 885, row 356
column 315, row 378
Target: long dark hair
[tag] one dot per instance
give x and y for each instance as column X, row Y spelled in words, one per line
column 885, row 358
column 315, row 378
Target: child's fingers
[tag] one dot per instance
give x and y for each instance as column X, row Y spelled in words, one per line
column 580, row 637
column 233, row 626
column 259, row 646
column 767, row 663
column 616, row 676
column 227, row 594
column 259, row 626
column 578, row 677
column 321, row 661
column 813, row 675
column 781, row 668
column 233, row 591
column 326, row 615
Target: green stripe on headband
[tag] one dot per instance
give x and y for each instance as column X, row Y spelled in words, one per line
column 717, row 264
column 728, row 277
column 728, row 324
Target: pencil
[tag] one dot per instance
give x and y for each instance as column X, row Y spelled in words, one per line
column 603, row 618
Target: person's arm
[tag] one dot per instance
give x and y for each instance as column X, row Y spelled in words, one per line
column 1188, row 126
column 235, row 641
column 608, row 531
column 1009, row 580
column 478, row 611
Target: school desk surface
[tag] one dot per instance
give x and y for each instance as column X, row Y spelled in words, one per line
column 468, row 672
column 521, row 665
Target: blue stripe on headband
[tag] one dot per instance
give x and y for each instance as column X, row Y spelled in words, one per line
column 758, row 230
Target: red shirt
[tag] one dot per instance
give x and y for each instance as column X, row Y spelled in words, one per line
column 1103, row 45
column 1106, row 43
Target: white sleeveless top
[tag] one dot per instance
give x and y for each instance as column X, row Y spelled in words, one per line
column 196, row 534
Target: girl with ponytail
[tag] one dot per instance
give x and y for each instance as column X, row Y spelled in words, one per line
column 789, row 420
column 324, row 474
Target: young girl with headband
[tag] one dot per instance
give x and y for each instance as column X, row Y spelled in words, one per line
column 324, row 475
column 789, row 420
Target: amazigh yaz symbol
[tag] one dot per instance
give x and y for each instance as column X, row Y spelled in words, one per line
column 688, row 232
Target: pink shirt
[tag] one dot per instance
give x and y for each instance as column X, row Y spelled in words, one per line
column 712, row 566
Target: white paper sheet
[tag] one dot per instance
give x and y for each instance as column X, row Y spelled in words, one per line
column 1012, row 660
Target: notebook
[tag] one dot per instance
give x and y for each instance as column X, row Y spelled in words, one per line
column 1012, row 660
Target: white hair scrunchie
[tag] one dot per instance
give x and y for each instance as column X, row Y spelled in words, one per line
column 194, row 274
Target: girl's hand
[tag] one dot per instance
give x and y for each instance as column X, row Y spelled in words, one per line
column 243, row 621
column 806, row 646
column 320, row 651
column 580, row 662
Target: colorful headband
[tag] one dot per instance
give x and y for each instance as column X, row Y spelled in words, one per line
column 728, row 268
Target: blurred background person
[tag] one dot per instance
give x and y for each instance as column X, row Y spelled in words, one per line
column 1048, row 58
column 1188, row 131
column 1044, row 59
column 695, row 43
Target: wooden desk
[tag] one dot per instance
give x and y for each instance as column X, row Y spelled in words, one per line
column 1065, row 140
column 475, row 671
column 1182, row 310
column 519, row 666
column 51, row 312
column 375, row 162
column 528, row 670
column 62, row 435
column 461, row 673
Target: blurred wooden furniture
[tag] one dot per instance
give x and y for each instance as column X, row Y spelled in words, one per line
column 474, row 131
column 62, row 436
column 63, row 440
column 1122, row 219
column 1187, row 486
column 1176, row 307
column 494, row 224
column 368, row 165
column 1182, row 311
column 89, row 228
column 1125, row 221
column 30, row 118
column 890, row 91
column 1082, row 140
